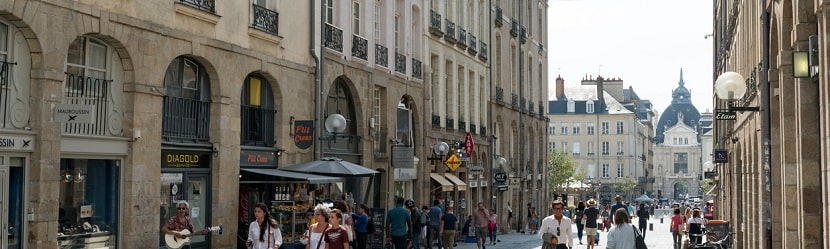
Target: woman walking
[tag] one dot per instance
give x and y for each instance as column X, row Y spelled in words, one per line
column 316, row 230
column 676, row 222
column 264, row 232
column 623, row 235
column 493, row 225
column 580, row 209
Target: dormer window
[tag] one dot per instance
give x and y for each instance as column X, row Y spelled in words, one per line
column 589, row 108
column 571, row 106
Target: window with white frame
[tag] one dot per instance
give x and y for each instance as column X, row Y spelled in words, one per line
column 619, row 147
column 576, row 149
column 685, row 140
column 604, row 127
column 590, row 128
column 565, row 147
column 590, row 148
column 330, row 12
column 377, row 115
column 564, row 129
column 589, row 106
column 605, row 148
column 356, row 17
column 552, row 145
column 620, row 170
column 576, row 128
column 397, row 30
column 571, row 106
column 376, row 22
column 552, row 129
column 605, row 169
column 619, row 127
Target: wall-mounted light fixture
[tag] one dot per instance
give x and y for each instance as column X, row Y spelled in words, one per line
column 279, row 152
column 805, row 63
column 731, row 86
column 335, row 125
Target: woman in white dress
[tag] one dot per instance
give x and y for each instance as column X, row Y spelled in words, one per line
column 264, row 232
column 315, row 237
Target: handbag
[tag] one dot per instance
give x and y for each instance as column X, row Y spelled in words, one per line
column 639, row 241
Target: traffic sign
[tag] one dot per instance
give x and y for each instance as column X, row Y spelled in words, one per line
column 453, row 162
column 500, row 177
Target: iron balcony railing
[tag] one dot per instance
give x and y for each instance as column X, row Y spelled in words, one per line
column 205, row 5
column 334, row 38
column 416, row 69
column 381, row 55
column 185, row 120
column 514, row 27
column 435, row 23
column 450, row 34
column 92, row 92
column 499, row 94
column 522, row 34
column 462, row 126
column 5, row 67
column 462, row 38
column 473, row 48
column 530, row 107
column 360, row 47
column 541, row 48
column 266, row 20
column 400, row 63
column 483, row 131
column 436, row 120
column 473, row 128
column 523, row 104
column 514, row 100
column 541, row 109
column 257, row 126
column 482, row 55
column 450, row 123
column 497, row 17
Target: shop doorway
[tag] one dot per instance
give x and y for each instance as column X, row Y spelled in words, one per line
column 11, row 202
column 193, row 188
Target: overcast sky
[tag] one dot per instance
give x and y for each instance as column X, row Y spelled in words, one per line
column 644, row 42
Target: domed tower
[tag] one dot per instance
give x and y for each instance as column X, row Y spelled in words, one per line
column 680, row 110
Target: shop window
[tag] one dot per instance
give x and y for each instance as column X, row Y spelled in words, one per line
column 187, row 103
column 257, row 112
column 88, row 212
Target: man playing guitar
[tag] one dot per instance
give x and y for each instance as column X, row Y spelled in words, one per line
column 176, row 224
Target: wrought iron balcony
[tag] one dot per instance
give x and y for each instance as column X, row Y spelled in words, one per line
column 499, row 94
column 400, row 63
column 530, row 106
column 483, row 131
column 497, row 17
column 185, row 120
column 514, row 100
column 482, row 55
column 334, row 38
column 522, row 34
column 204, row 5
column 462, row 126
column 541, row 48
column 462, row 38
column 473, row 48
column 541, row 109
column 514, row 27
column 416, row 69
column 266, row 20
column 436, row 120
column 522, row 105
column 381, row 55
column 449, row 35
column 86, row 91
column 5, row 67
column 450, row 123
column 473, row 128
column 435, row 23
column 257, row 126
column 360, row 47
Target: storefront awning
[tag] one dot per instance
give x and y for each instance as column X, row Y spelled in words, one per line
column 458, row 182
column 446, row 186
column 288, row 174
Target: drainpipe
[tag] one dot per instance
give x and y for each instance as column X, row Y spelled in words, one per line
column 318, row 75
column 765, row 125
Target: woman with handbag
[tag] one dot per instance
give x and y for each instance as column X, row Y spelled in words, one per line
column 623, row 235
column 676, row 226
column 317, row 230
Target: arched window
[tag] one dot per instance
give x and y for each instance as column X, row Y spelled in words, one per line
column 89, row 82
column 257, row 114
column 187, row 102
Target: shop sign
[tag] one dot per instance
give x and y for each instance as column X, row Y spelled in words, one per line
column 468, row 144
column 68, row 113
column 500, row 177
column 476, row 170
column 16, row 143
column 258, row 158
column 185, row 159
column 724, row 114
column 303, row 133
column 721, row 156
column 501, row 188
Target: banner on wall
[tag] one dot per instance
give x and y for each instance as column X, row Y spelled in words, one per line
column 303, row 133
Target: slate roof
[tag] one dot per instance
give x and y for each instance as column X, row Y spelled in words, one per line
column 581, row 95
column 681, row 103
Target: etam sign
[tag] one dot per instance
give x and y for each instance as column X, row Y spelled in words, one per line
column 725, row 115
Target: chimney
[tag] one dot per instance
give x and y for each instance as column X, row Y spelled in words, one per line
column 560, row 87
column 600, row 96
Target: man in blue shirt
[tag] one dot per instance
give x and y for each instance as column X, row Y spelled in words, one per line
column 435, row 214
column 398, row 223
column 616, row 206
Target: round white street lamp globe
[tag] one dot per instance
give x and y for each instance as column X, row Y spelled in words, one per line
column 335, row 123
column 502, row 161
column 441, row 148
column 730, row 86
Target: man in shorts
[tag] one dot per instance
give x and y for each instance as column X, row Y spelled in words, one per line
column 481, row 221
column 591, row 214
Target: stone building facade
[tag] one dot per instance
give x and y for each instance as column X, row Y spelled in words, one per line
column 774, row 186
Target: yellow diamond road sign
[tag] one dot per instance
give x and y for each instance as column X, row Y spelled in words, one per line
column 453, row 162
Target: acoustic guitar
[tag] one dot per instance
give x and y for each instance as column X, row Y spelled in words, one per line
column 176, row 243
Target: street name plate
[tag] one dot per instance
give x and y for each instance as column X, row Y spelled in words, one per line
column 69, row 113
column 476, row 170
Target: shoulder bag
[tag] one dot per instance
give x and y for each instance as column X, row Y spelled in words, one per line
column 639, row 241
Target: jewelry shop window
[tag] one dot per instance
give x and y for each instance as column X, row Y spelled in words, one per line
column 88, row 211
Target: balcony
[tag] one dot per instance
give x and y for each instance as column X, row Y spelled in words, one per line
column 522, row 34
column 266, row 20
column 522, row 105
column 483, row 131
column 514, row 28
column 436, row 120
column 435, row 23
column 497, row 17
column 85, row 91
column 530, row 107
column 449, row 35
column 541, row 109
column 473, row 48
column 400, row 63
column 381, row 56
column 360, row 47
column 462, row 38
column 185, row 120
column 514, row 100
column 500, row 95
column 450, row 123
column 204, row 5
column 462, row 126
column 416, row 69
column 473, row 128
column 333, row 38
column 541, row 49
column 483, row 54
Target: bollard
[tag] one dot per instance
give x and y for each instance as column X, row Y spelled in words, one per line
column 651, row 226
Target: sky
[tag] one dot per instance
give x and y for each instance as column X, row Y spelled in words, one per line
column 643, row 42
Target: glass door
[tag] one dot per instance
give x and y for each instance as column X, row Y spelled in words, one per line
column 4, row 190
column 11, row 202
column 197, row 196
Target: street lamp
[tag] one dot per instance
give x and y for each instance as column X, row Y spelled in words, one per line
column 335, row 124
column 731, row 86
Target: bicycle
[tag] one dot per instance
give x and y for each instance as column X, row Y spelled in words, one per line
column 722, row 243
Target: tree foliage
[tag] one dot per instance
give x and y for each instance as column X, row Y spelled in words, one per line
column 560, row 169
column 707, row 185
column 625, row 184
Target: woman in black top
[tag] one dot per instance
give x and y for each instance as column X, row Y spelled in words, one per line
column 643, row 214
column 591, row 214
column 578, row 217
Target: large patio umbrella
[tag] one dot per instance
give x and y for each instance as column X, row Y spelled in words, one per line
column 331, row 166
column 643, row 198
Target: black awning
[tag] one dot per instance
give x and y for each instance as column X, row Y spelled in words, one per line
column 311, row 178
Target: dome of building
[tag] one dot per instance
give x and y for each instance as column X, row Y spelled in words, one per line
column 680, row 110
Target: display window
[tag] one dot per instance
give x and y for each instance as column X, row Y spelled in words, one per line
column 88, row 212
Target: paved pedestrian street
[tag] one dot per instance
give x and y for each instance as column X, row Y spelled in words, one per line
column 658, row 238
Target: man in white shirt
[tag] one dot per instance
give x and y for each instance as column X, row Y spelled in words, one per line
column 558, row 226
